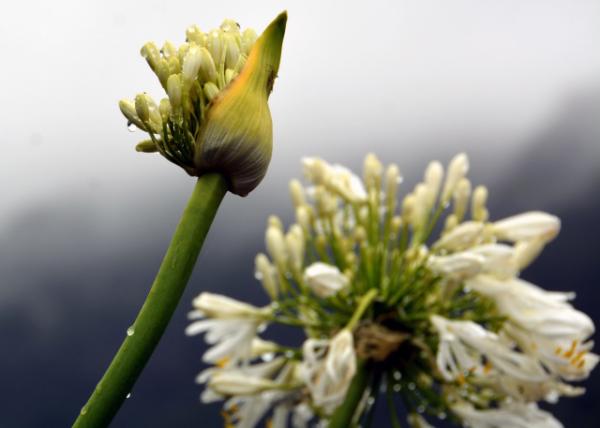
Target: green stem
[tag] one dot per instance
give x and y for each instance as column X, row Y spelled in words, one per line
column 363, row 304
column 153, row 318
column 343, row 416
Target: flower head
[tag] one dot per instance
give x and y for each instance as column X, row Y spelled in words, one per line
column 215, row 116
column 445, row 321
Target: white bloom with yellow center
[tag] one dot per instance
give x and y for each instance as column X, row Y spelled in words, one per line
column 446, row 319
column 230, row 326
column 467, row 348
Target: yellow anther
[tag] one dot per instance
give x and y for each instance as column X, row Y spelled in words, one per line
column 222, row 362
column 572, row 349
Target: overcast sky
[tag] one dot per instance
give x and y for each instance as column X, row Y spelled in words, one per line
column 406, row 79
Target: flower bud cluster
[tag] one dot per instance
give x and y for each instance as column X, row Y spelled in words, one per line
column 201, row 122
column 446, row 318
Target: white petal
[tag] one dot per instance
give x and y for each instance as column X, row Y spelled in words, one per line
column 529, row 225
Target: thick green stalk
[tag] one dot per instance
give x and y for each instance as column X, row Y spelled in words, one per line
column 153, row 318
column 345, row 413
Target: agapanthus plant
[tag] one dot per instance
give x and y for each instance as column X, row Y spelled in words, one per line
column 415, row 302
column 215, row 123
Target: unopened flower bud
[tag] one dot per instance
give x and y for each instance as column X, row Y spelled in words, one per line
column 265, row 272
column 215, row 46
column 274, row 221
column 146, row 146
column 433, row 180
column 478, row 210
column 229, row 75
column 232, row 50
column 248, row 39
column 297, row 193
column 211, row 91
column 459, row 165
column 195, row 35
column 191, row 63
column 128, row 109
column 324, row 280
column 461, row 198
column 237, row 137
column 165, row 109
column 151, row 53
column 141, row 107
column 169, row 50
column 276, row 245
column 303, row 217
column 392, row 179
column 294, row 241
column 208, row 70
column 230, row 26
column 174, row 90
column 372, row 171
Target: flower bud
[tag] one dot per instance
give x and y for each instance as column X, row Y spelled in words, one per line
column 211, row 91
column 459, row 165
column 174, row 90
column 232, row 50
column 248, row 39
column 324, row 280
column 297, row 193
column 265, row 272
column 191, row 63
column 141, row 107
column 128, row 109
column 208, row 70
column 237, row 137
column 195, row 35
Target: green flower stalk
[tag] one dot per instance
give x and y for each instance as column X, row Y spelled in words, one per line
column 215, row 123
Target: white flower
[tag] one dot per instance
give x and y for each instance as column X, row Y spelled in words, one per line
column 466, row 347
column 529, row 225
column 508, row 415
column 232, row 328
column 546, row 313
column 328, row 368
column 232, row 338
column 324, row 280
column 544, row 324
column 246, row 380
column 549, row 390
column 250, row 410
column 217, row 306
column 570, row 359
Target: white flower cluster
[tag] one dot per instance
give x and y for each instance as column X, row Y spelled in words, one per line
column 446, row 323
column 192, row 75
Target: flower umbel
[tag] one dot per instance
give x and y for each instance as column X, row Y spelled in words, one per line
column 215, row 117
column 442, row 322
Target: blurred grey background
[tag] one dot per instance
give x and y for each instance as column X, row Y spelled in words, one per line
column 84, row 219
